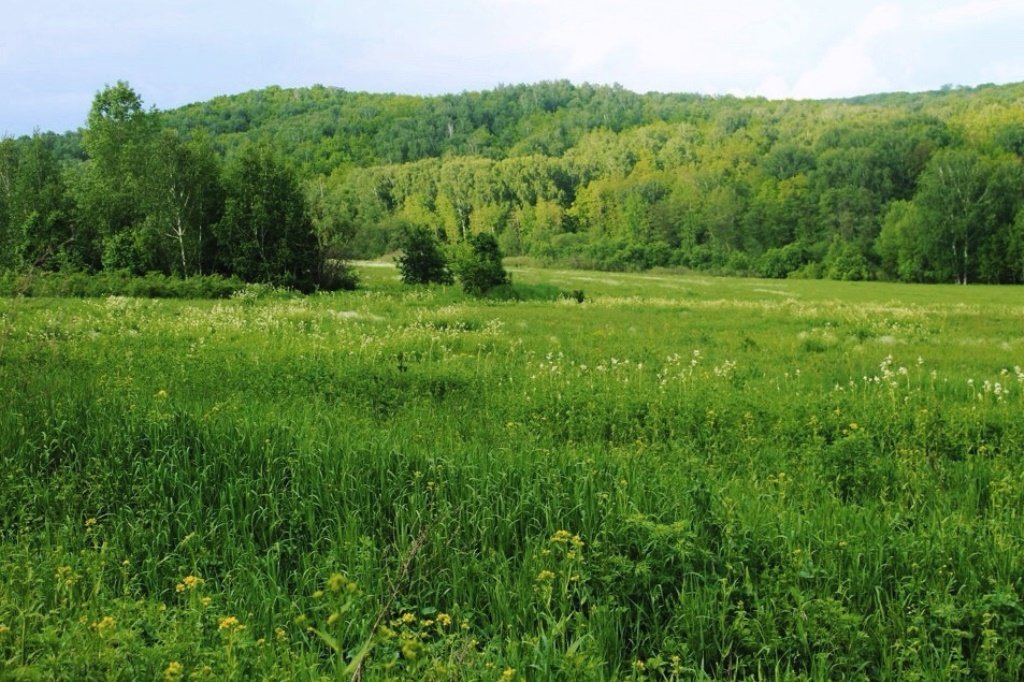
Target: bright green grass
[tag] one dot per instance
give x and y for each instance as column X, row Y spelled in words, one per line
column 681, row 478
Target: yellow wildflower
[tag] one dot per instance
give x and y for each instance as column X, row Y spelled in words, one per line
column 561, row 536
column 336, row 582
column 545, row 576
column 105, row 623
column 508, row 674
column 229, row 623
column 173, row 670
column 444, row 619
column 189, row 582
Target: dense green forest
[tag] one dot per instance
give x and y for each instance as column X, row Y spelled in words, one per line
column 270, row 185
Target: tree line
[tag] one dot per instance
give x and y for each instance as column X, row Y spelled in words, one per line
column 924, row 187
column 775, row 189
column 144, row 198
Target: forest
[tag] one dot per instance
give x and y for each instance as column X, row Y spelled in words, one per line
column 276, row 185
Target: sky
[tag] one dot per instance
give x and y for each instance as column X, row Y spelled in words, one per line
column 55, row 55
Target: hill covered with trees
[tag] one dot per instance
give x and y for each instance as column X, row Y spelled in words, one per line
column 925, row 187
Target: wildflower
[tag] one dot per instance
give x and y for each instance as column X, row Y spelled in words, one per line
column 229, row 623
column 854, row 426
column 407, row 618
column 443, row 619
column 90, row 522
column 66, row 576
column 280, row 634
column 105, row 623
column 336, row 582
column 561, row 536
column 189, row 582
column 173, row 670
column 508, row 674
column 639, row 665
column 161, row 393
column 206, row 601
column 545, row 576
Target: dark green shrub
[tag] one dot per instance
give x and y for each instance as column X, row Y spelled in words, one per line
column 479, row 266
column 422, row 260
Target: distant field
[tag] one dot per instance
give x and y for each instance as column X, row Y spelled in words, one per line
column 680, row 478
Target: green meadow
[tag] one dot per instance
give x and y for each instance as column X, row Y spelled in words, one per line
column 680, row 478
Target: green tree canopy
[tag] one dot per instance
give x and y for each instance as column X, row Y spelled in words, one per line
column 266, row 234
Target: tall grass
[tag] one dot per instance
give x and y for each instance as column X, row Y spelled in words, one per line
column 681, row 478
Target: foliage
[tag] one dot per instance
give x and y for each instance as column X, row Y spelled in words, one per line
column 577, row 175
column 146, row 198
column 266, row 234
column 423, row 260
column 478, row 266
column 117, row 283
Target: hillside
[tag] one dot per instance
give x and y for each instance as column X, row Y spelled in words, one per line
column 909, row 186
column 603, row 177
column 323, row 127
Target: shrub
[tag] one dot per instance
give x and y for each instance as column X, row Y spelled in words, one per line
column 422, row 260
column 479, row 266
column 336, row 275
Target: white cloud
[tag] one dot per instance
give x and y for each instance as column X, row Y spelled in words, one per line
column 850, row 67
column 193, row 49
column 976, row 12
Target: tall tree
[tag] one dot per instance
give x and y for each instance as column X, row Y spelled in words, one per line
column 184, row 200
column 954, row 199
column 8, row 167
column 266, row 234
column 38, row 222
column 120, row 138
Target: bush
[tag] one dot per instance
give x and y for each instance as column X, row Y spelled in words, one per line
column 422, row 260
column 118, row 283
column 336, row 275
column 479, row 266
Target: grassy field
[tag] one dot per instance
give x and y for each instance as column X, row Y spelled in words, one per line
column 680, row 478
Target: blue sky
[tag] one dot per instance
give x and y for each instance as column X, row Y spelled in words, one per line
column 56, row 54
